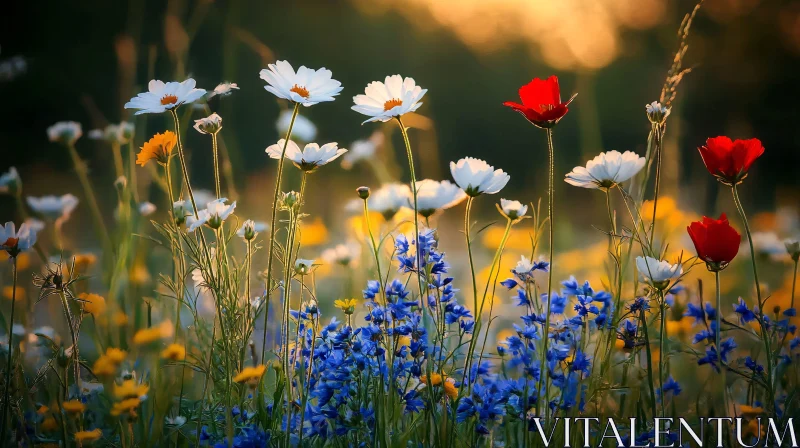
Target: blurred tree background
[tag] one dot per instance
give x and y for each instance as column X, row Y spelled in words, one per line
column 83, row 60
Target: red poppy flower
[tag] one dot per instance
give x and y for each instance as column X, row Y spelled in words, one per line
column 715, row 240
column 729, row 160
column 541, row 102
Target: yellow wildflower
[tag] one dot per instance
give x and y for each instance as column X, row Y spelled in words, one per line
column 250, row 375
column 94, row 304
column 88, row 436
column 313, row 233
column 120, row 319
column 8, row 292
column 116, row 355
column 125, row 406
column 158, row 148
column 450, row 388
column 174, row 352
column 49, row 424
column 104, row 366
column 152, row 334
column 348, row 306
column 436, row 379
column 73, row 406
column 750, row 411
column 130, row 389
column 83, row 261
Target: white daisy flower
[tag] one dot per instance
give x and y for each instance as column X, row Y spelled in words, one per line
column 303, row 129
column 34, row 224
column 513, row 210
column 310, row 158
column 606, row 170
column 303, row 266
column 767, row 244
column 389, row 199
column 53, row 207
column 434, row 195
column 65, row 132
column 215, row 213
column 343, row 254
column 394, row 97
column 13, row 241
column 223, row 89
column 476, row 177
column 147, row 208
column 10, row 181
column 363, row 150
column 307, row 87
column 658, row 272
column 209, row 125
column 162, row 96
column 250, row 229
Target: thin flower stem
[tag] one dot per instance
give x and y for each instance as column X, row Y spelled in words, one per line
column 718, row 337
column 216, row 164
column 6, row 385
column 117, row 152
column 271, row 254
column 132, row 171
column 658, row 140
column 205, row 383
column 649, row 354
column 662, row 354
column 550, row 213
column 182, row 159
column 794, row 281
column 764, row 333
column 74, row 337
column 375, row 251
column 469, row 252
column 80, row 170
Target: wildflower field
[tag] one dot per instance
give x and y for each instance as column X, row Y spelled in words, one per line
column 419, row 316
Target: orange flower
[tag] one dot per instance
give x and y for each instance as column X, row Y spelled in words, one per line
column 94, row 304
column 450, row 388
column 436, row 379
column 120, row 319
column 152, row 334
column 250, row 375
column 88, row 436
column 125, row 406
column 49, row 424
column 130, row 389
column 174, row 352
column 73, row 406
column 158, row 148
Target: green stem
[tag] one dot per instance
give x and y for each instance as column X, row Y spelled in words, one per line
column 7, row 385
column 216, row 164
column 658, row 138
column 794, row 281
column 80, row 169
column 764, row 333
column 375, row 251
column 132, row 171
column 550, row 214
column 467, row 227
column 662, row 356
column 719, row 347
column 271, row 254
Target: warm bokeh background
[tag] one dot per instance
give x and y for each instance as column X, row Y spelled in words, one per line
column 82, row 60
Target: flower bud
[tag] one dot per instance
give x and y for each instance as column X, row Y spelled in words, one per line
column 793, row 247
column 209, row 125
column 363, row 192
column 61, row 357
column 656, row 113
column 289, row 200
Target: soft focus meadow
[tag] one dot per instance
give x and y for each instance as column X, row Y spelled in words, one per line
column 344, row 299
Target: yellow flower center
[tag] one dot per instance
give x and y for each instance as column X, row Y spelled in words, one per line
column 169, row 99
column 394, row 102
column 302, row 91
